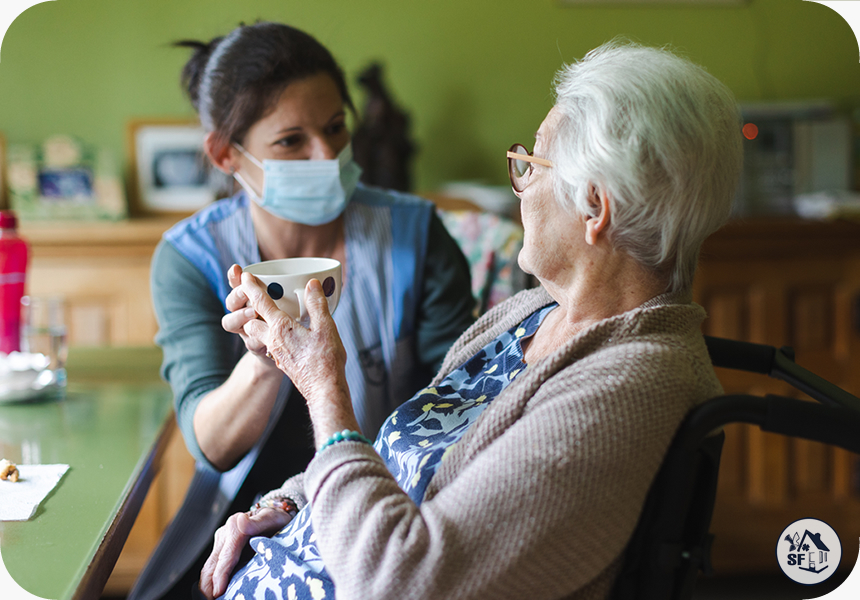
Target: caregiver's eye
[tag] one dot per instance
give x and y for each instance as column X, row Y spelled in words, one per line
column 275, row 291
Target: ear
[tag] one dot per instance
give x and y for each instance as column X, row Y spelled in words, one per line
column 596, row 226
column 221, row 153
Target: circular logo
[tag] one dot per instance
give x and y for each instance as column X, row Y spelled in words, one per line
column 808, row 551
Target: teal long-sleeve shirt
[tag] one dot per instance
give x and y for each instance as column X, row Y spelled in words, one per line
column 199, row 355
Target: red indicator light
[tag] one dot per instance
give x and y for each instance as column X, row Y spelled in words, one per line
column 750, row 131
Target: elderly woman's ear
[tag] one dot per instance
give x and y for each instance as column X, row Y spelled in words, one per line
column 595, row 226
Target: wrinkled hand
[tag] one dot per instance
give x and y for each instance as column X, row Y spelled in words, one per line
column 314, row 357
column 240, row 313
column 229, row 543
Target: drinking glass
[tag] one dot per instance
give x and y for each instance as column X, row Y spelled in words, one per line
column 44, row 329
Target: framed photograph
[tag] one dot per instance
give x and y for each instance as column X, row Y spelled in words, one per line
column 168, row 170
column 62, row 178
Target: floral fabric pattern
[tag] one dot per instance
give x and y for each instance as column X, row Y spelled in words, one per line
column 414, row 439
column 412, row 442
column 491, row 245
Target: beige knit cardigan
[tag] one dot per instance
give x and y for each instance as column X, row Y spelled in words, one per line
column 541, row 495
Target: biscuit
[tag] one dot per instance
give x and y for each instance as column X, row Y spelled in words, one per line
column 8, row 470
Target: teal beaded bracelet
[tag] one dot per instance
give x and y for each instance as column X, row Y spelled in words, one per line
column 344, row 436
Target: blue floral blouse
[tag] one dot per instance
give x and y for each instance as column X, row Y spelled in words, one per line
column 413, row 442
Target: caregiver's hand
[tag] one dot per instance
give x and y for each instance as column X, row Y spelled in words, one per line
column 240, row 313
column 313, row 358
column 229, row 543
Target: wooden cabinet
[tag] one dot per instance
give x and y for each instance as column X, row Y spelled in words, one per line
column 102, row 271
column 796, row 284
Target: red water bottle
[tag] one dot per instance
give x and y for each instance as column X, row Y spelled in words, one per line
column 13, row 271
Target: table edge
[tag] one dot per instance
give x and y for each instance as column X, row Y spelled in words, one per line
column 95, row 577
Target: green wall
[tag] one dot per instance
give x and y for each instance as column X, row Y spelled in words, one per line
column 475, row 74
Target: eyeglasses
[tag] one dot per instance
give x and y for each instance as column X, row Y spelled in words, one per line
column 520, row 166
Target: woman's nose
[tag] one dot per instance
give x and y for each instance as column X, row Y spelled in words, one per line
column 323, row 149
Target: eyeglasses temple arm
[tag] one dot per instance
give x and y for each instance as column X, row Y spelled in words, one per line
column 531, row 159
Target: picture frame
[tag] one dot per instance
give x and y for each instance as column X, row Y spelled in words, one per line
column 62, row 178
column 168, row 169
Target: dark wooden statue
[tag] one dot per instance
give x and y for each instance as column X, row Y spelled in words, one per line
column 381, row 143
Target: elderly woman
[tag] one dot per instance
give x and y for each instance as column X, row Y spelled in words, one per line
column 521, row 471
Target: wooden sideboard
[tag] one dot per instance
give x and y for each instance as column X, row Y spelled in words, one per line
column 783, row 283
column 101, row 269
column 779, row 282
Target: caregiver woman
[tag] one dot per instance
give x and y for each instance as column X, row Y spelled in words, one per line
column 274, row 103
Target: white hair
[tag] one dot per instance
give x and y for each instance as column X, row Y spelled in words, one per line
column 662, row 138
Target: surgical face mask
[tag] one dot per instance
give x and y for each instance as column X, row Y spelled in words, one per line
column 311, row 192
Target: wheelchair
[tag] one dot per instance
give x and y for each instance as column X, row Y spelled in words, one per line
column 672, row 542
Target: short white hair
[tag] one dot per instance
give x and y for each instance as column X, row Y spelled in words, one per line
column 662, row 137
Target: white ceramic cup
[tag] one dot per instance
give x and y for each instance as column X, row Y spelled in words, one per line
column 285, row 280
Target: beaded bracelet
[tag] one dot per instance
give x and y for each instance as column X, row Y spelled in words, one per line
column 284, row 504
column 344, row 436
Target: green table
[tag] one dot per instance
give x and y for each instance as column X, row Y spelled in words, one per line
column 111, row 428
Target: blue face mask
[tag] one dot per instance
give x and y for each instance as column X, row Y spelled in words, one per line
column 311, row 192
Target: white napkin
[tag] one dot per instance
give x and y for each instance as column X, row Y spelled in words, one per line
column 19, row 500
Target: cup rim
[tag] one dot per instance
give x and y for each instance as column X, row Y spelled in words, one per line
column 327, row 265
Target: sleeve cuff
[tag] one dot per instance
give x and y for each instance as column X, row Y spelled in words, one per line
column 332, row 458
column 292, row 489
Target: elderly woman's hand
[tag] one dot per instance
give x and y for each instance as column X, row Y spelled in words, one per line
column 313, row 358
column 229, row 543
column 240, row 313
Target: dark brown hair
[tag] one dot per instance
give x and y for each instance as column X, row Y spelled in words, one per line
column 234, row 80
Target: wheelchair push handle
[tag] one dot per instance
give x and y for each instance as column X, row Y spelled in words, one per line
column 779, row 364
column 744, row 356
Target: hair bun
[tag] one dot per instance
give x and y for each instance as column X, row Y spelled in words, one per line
column 193, row 70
